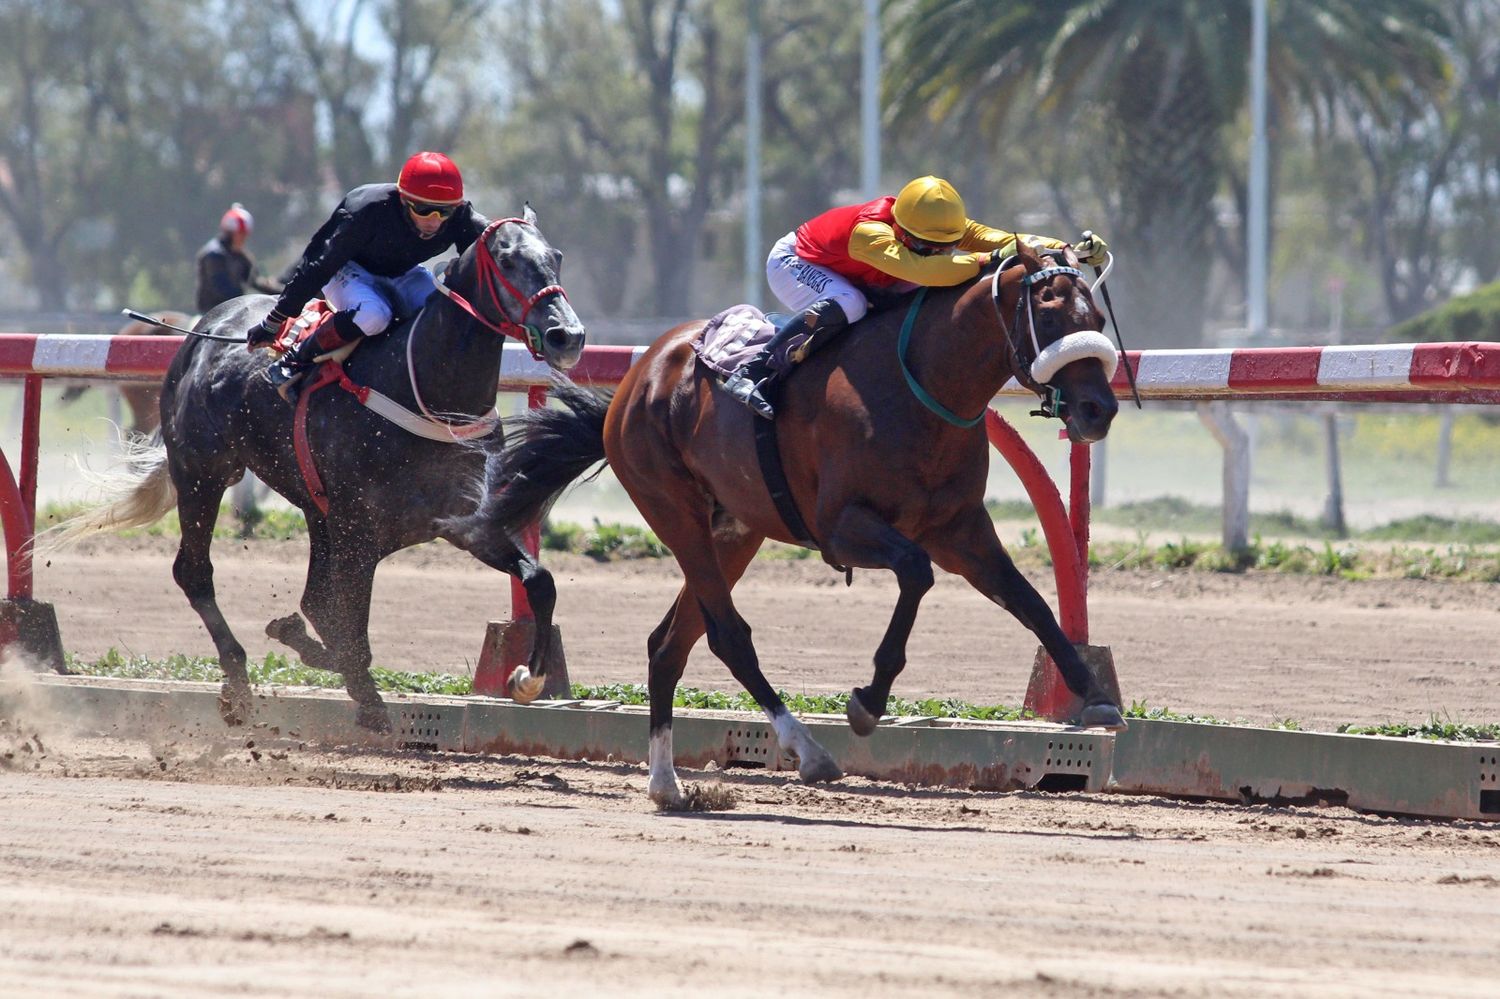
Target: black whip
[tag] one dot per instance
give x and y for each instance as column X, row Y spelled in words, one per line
column 152, row 320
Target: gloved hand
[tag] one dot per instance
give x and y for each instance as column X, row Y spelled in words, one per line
column 1091, row 249
column 265, row 332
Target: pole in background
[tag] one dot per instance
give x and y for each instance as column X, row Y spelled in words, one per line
column 1259, row 208
column 869, row 108
column 755, row 253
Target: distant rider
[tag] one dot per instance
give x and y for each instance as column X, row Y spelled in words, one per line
column 225, row 268
column 367, row 261
column 826, row 270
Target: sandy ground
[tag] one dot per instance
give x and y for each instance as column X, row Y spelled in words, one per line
column 136, row 869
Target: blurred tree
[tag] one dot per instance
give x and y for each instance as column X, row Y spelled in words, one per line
column 1162, row 82
column 1429, row 192
column 628, row 107
column 392, row 77
column 114, row 168
column 62, row 66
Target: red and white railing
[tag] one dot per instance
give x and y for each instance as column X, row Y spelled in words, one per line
column 1464, row 373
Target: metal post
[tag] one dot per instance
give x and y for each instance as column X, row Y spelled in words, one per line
column 755, row 253
column 1257, row 226
column 869, row 108
column 1078, row 519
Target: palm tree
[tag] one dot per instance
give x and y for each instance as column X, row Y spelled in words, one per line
column 1152, row 90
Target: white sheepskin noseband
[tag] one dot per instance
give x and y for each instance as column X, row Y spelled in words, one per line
column 1074, row 347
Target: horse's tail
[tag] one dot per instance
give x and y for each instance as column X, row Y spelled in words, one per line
column 542, row 454
column 142, row 493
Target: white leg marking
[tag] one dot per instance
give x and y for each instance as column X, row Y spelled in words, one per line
column 813, row 761
column 663, row 787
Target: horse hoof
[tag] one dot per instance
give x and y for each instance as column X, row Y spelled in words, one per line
column 234, row 705
column 1103, row 716
column 819, row 769
column 374, row 717
column 286, row 629
column 666, row 793
column 523, row 687
column 860, row 719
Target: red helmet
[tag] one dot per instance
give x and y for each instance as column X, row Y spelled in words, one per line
column 431, row 178
column 236, row 221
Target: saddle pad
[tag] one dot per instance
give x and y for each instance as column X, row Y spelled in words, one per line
column 733, row 337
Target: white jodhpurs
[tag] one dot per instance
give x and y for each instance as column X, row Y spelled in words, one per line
column 371, row 297
column 798, row 284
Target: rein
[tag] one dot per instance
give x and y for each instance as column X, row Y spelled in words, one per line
column 490, row 277
column 923, row 396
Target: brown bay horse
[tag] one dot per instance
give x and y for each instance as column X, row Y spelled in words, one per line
column 883, row 479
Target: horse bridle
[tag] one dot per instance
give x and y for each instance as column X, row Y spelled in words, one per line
column 1083, row 343
column 490, row 277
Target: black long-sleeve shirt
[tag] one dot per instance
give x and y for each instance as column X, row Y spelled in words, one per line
column 225, row 273
column 372, row 228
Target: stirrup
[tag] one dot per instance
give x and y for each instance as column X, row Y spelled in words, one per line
column 285, row 379
column 748, row 393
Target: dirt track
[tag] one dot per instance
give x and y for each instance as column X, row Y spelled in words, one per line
column 171, row 870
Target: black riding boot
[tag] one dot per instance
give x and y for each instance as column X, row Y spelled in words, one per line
column 819, row 323
column 285, row 374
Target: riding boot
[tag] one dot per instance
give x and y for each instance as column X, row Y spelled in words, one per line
column 753, row 384
column 285, row 374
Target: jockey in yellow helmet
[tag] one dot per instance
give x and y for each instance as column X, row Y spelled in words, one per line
column 826, row 270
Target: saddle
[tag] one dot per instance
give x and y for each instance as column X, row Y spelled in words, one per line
column 732, row 339
column 306, row 323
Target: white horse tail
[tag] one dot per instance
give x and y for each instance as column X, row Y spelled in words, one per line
column 142, row 494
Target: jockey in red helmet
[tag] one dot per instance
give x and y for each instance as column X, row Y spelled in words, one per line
column 367, row 260
column 225, row 267
column 827, row 269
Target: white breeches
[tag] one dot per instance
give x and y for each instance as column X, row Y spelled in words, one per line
column 371, row 297
column 799, row 284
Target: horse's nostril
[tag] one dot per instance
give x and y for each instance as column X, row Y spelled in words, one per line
column 556, row 336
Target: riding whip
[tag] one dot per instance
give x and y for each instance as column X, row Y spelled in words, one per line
column 152, row 320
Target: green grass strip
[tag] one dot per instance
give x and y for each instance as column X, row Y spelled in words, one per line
column 279, row 669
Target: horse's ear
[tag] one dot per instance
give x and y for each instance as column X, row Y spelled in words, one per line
column 528, row 214
column 1029, row 258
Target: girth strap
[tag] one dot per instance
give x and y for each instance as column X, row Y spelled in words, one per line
column 768, row 452
column 326, row 374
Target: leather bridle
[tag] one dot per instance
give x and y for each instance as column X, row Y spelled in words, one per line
column 491, row 280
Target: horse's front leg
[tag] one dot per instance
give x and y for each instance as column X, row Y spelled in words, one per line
column 971, row 550
column 861, row 538
column 345, row 626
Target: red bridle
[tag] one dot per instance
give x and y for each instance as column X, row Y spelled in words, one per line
column 490, row 282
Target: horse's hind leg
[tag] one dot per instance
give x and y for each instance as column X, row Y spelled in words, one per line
column 668, row 649
column 496, row 550
column 198, row 496
column 861, row 538
column 973, row 552
column 686, row 531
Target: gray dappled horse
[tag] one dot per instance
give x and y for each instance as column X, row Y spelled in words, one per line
column 386, row 489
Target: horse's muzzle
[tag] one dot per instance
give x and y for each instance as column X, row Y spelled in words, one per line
column 563, row 346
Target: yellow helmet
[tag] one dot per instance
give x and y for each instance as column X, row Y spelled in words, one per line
column 930, row 209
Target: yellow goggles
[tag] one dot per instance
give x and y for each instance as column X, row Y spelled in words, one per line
column 427, row 211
